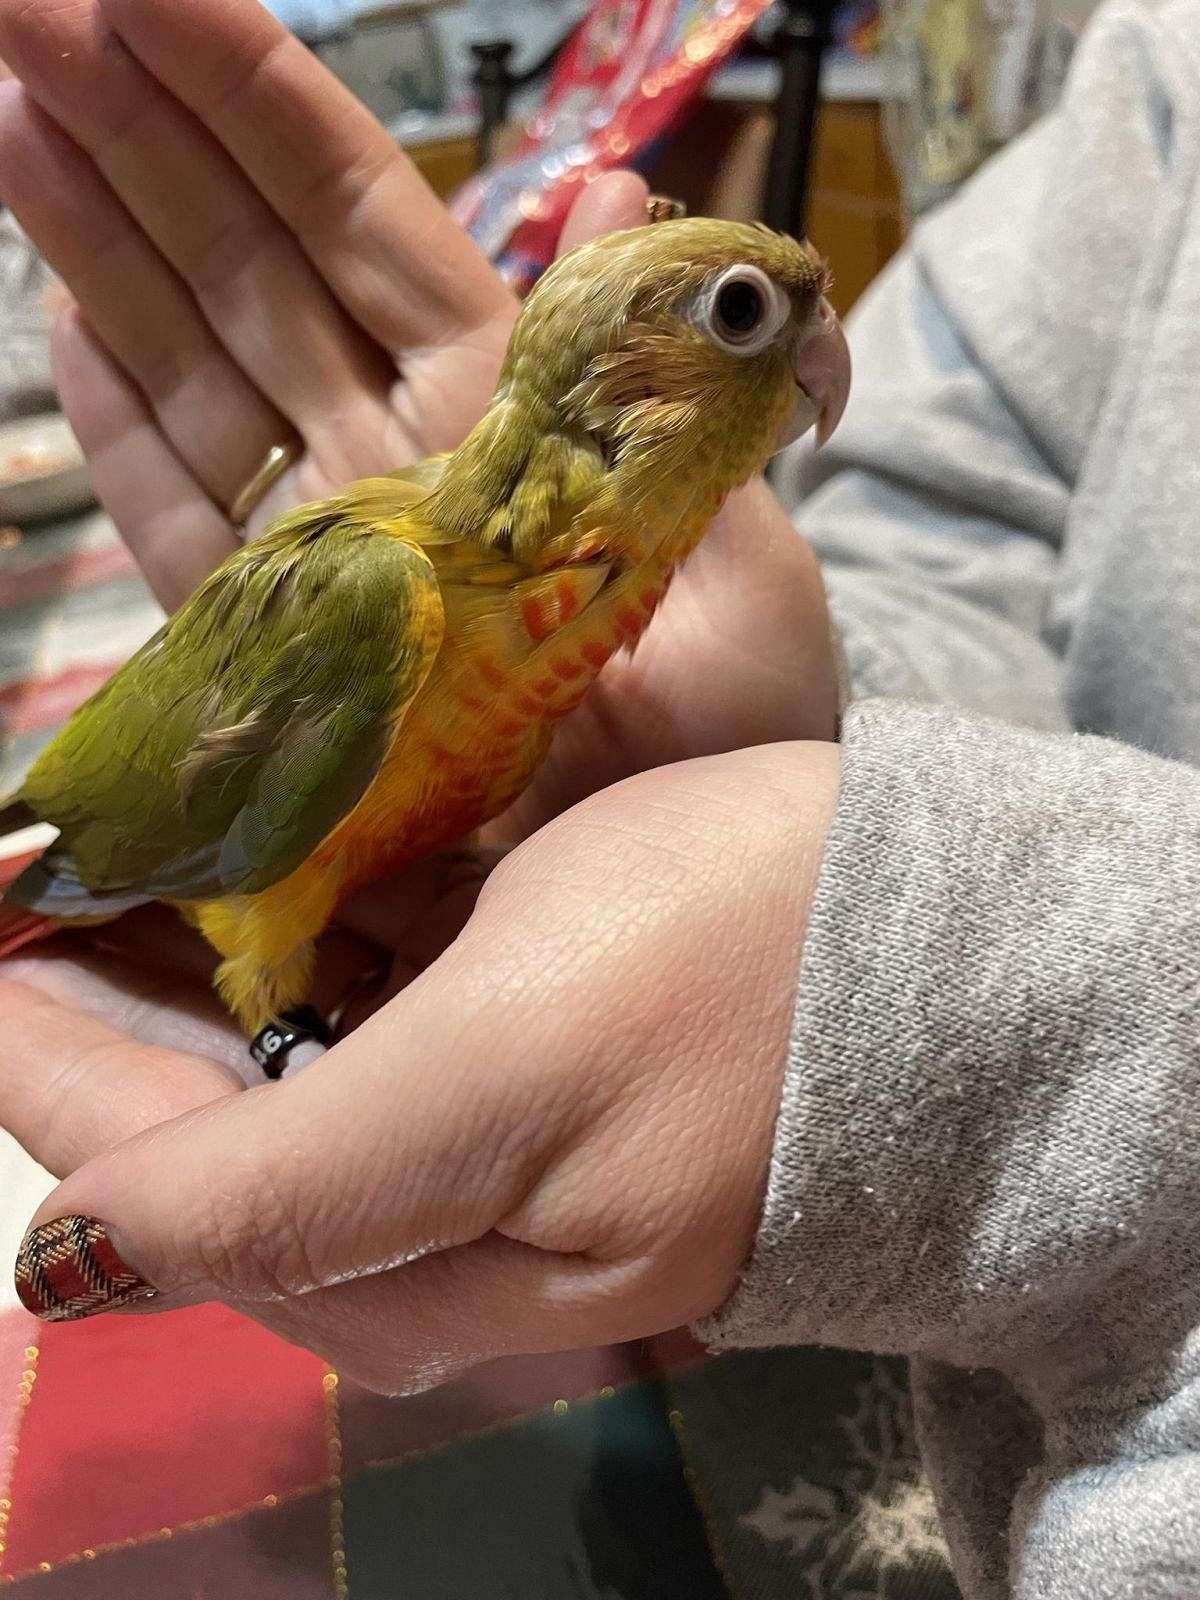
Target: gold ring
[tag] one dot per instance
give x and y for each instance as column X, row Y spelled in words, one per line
column 661, row 208
column 277, row 460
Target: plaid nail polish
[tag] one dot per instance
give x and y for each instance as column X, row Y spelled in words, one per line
column 68, row 1269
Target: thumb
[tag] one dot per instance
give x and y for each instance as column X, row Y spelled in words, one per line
column 612, row 201
column 394, row 1144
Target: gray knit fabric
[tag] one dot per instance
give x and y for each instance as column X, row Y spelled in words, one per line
column 987, row 1149
column 988, row 1146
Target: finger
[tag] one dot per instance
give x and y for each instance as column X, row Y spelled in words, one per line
column 390, row 250
column 73, row 1086
column 145, row 1003
column 244, row 268
column 756, row 579
column 218, row 423
column 156, row 941
column 613, row 201
column 174, row 530
column 396, row 913
column 393, row 1145
column 450, row 1311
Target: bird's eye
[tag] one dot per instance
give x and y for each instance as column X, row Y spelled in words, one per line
column 744, row 310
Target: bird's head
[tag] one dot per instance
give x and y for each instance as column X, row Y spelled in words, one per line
column 675, row 358
column 694, row 333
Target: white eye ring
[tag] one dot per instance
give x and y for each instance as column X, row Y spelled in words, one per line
column 743, row 310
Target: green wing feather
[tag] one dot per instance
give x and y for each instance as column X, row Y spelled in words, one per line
column 238, row 737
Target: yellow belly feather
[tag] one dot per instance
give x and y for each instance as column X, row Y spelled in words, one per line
column 514, row 660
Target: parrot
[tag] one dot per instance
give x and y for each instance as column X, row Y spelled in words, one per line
column 381, row 672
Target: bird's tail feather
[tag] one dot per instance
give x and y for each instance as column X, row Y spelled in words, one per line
column 19, row 927
column 15, row 815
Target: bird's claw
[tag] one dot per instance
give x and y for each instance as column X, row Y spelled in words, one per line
column 272, row 1047
column 662, row 208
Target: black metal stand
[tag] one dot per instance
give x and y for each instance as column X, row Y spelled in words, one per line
column 495, row 80
column 803, row 36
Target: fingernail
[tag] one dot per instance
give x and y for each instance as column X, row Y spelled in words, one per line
column 69, row 1268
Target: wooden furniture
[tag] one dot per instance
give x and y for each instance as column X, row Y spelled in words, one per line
column 800, row 44
column 855, row 214
column 446, row 162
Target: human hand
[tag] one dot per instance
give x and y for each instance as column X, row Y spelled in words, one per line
column 739, row 653
column 557, row 1136
column 254, row 259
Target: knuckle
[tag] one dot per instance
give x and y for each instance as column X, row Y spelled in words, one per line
column 38, row 23
column 235, row 252
column 337, row 193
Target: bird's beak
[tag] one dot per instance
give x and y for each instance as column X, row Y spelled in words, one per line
column 822, row 374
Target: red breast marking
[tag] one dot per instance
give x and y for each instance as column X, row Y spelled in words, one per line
column 472, row 702
column 567, row 596
column 596, row 655
column 546, row 687
column 529, row 706
column 508, row 727
column 566, row 669
column 489, row 671
column 533, row 616
column 650, row 598
column 628, row 621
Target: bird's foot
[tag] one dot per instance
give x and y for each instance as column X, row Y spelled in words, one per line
column 294, row 1042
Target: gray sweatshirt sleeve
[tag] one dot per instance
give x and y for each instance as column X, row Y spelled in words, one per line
column 942, row 511
column 986, row 1151
column 937, row 523
column 987, row 1144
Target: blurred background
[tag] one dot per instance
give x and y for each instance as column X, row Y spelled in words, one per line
column 913, row 95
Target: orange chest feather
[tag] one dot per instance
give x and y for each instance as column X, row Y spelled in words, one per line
column 515, row 658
